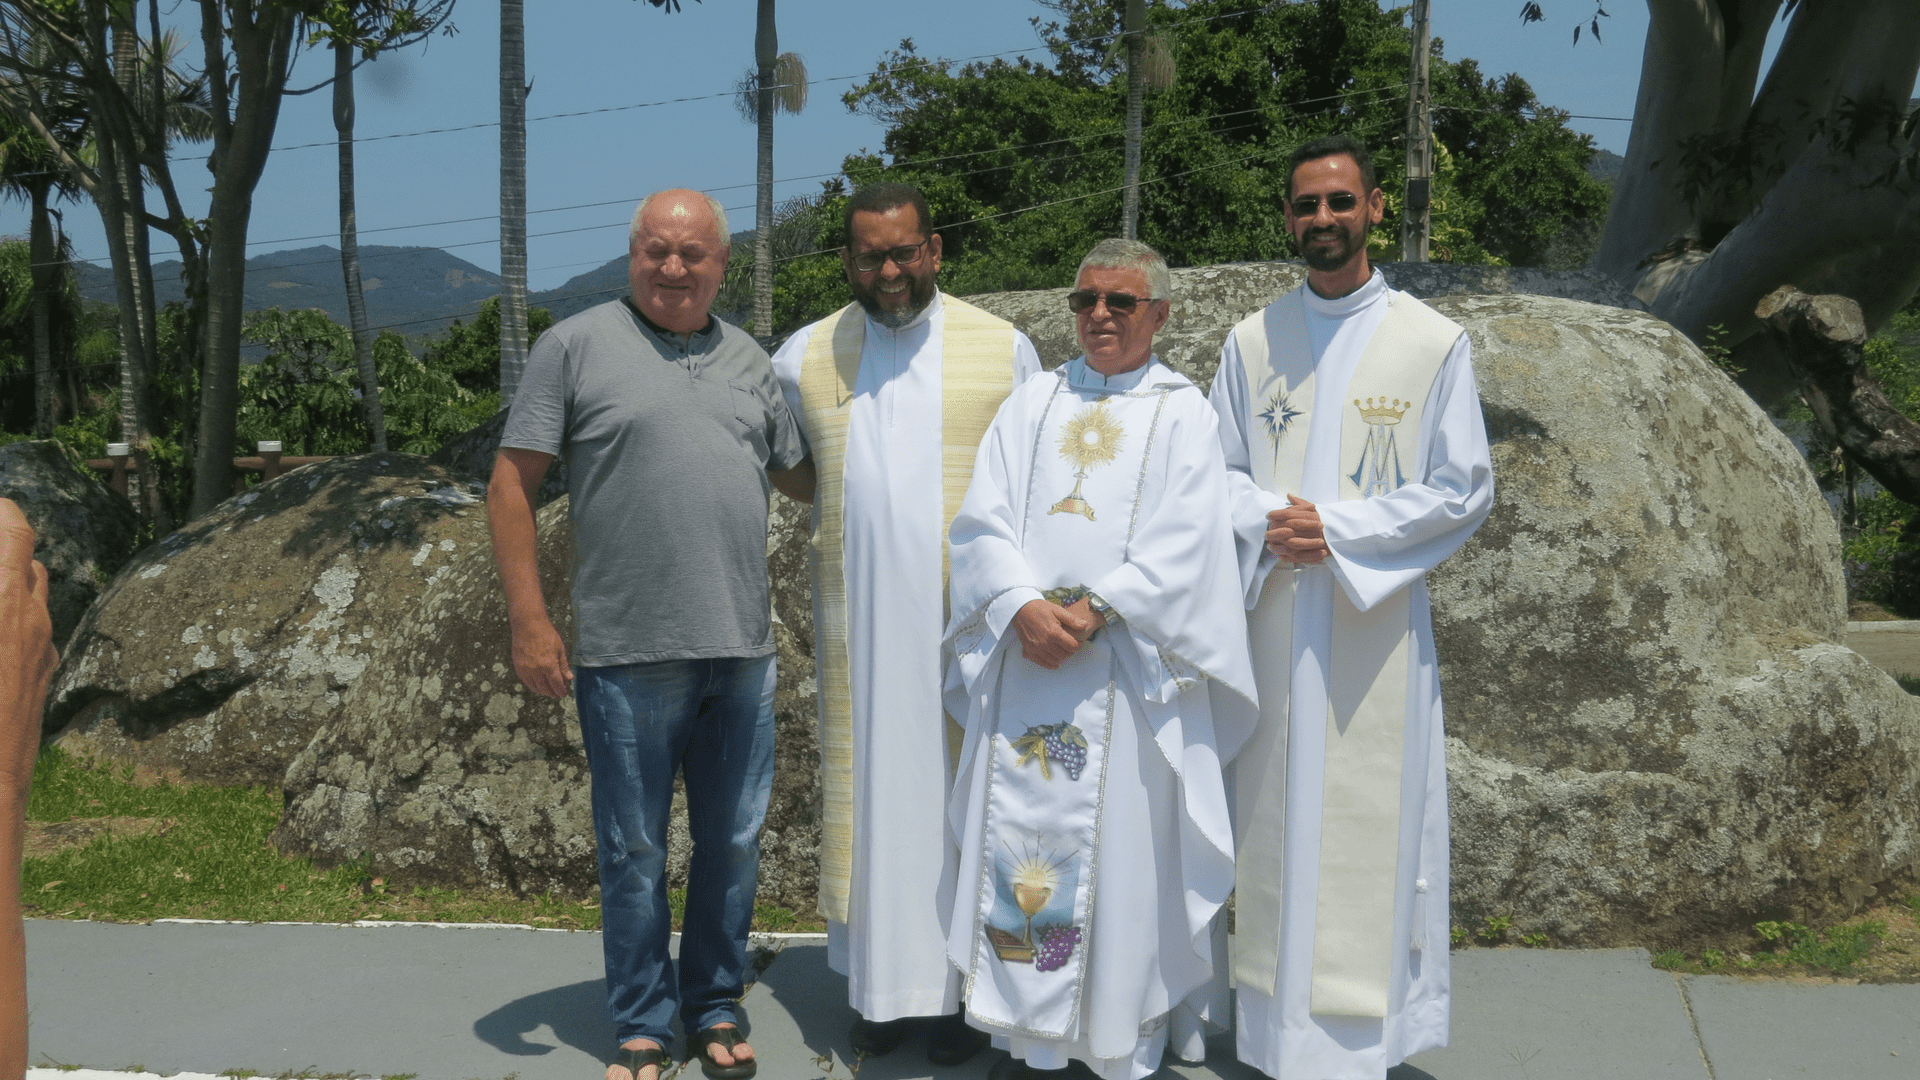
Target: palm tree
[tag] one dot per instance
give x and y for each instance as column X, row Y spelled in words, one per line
column 1149, row 64
column 31, row 170
column 778, row 81
column 513, row 198
column 366, row 27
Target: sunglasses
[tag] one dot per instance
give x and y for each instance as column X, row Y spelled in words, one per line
column 868, row 261
column 1339, row 202
column 1119, row 303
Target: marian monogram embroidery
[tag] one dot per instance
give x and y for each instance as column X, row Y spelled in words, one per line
column 1379, row 470
column 1092, row 438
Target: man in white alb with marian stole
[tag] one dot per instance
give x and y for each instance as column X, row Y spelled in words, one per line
column 1358, row 458
column 892, row 394
column 1098, row 652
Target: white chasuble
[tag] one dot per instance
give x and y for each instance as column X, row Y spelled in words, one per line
column 1090, row 809
column 892, row 417
column 1364, row 406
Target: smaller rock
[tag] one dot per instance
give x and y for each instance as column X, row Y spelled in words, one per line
column 84, row 531
column 472, row 451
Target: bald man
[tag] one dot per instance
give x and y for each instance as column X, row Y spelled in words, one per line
column 670, row 420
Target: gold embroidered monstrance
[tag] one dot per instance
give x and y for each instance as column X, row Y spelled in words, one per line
column 1092, row 438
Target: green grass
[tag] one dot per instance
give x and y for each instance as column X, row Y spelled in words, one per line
column 213, row 861
column 1788, row 945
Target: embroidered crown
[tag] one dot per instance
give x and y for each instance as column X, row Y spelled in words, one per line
column 1382, row 413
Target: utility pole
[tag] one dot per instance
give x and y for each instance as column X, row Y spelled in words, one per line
column 1416, row 218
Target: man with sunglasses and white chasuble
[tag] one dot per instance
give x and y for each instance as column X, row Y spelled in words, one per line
column 1098, row 650
column 1357, row 460
column 892, row 394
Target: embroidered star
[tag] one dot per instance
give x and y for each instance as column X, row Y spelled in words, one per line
column 1279, row 415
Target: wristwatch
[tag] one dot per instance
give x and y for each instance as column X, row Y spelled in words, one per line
column 1102, row 608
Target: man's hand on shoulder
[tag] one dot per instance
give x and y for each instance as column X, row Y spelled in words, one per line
column 540, row 658
column 1050, row 634
column 1294, row 533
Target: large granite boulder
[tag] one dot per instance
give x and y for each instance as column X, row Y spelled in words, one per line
column 448, row 771
column 1656, row 732
column 220, row 650
column 438, row 762
column 83, row 531
column 1208, row 300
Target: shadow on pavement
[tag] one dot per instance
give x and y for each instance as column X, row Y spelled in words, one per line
column 576, row 1014
column 1409, row 1072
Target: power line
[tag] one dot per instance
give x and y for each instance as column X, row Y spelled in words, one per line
column 734, row 93
column 1343, row 97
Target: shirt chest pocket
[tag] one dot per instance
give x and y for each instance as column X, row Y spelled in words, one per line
column 750, row 417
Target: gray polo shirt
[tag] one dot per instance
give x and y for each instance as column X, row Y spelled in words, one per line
column 667, row 446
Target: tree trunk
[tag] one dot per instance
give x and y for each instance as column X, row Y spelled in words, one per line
column 350, row 249
column 261, row 40
column 513, row 199
column 766, row 50
column 1823, row 339
column 41, row 254
column 124, row 215
column 1134, row 27
column 1726, row 195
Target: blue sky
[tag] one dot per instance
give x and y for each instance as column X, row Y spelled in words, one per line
column 604, row 57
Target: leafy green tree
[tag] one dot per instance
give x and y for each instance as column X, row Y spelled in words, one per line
column 1023, row 162
column 470, row 352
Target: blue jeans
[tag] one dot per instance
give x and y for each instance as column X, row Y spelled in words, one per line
column 644, row 722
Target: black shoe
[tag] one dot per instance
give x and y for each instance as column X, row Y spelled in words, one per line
column 872, row 1039
column 950, row 1041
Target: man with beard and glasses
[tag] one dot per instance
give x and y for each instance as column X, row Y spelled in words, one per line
column 892, row 394
column 1357, row 460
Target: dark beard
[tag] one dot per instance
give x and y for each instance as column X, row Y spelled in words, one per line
column 919, row 295
column 1334, row 258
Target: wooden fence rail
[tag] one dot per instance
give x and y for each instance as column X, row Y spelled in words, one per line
column 270, row 462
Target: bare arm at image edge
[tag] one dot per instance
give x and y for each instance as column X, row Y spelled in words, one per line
column 27, row 660
column 539, row 653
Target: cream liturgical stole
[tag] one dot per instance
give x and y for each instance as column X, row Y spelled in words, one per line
column 976, row 375
column 1379, row 425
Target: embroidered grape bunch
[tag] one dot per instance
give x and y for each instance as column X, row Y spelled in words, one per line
column 1063, row 744
column 1067, row 746
column 1056, row 947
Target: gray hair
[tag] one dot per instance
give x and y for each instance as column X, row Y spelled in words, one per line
column 1118, row 254
column 719, row 215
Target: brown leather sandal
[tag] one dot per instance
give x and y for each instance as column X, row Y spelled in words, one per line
column 635, row 1060
column 702, row 1043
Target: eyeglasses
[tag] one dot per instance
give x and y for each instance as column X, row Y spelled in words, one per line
column 868, row 261
column 1119, row 303
column 1339, row 202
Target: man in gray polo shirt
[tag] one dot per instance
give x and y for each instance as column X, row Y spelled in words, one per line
column 669, row 420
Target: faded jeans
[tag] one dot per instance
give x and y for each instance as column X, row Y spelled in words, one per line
column 642, row 723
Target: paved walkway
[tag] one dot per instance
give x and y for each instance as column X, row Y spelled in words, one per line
column 494, row 1002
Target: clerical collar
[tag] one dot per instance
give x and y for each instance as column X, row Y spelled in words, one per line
column 661, row 330
column 925, row 314
column 1081, row 376
column 1341, row 307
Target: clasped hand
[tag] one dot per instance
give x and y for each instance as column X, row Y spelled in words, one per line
column 1050, row 634
column 1294, row 533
